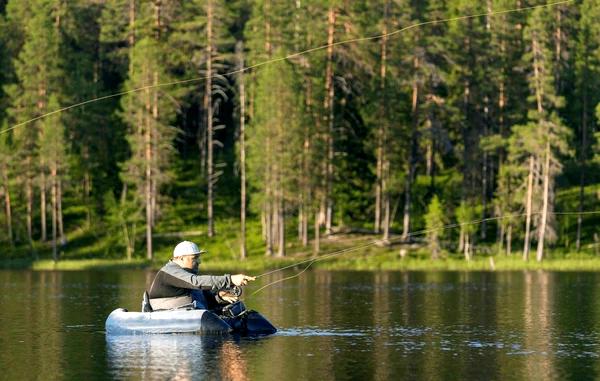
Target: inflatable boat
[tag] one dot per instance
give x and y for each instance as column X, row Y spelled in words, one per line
column 235, row 319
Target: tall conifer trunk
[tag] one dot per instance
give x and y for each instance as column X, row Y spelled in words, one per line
column 528, row 202
column 383, row 159
column 43, row 203
column 41, row 107
column 242, row 142
column 545, row 201
column 148, row 174
column 155, row 121
column 509, row 240
column 329, row 105
column 412, row 155
column 29, row 196
column 268, row 226
column 7, row 204
column 281, row 223
column 61, row 229
column 317, row 240
column 54, row 212
column 209, row 117
column 583, row 152
column 306, row 149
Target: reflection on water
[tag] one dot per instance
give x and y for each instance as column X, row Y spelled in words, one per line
column 175, row 357
column 332, row 325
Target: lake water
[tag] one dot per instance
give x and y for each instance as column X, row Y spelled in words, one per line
column 332, row 325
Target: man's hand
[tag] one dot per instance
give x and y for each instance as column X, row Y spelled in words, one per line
column 228, row 297
column 241, row 279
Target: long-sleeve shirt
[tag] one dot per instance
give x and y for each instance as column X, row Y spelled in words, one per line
column 173, row 280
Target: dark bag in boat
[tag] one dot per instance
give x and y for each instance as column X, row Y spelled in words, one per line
column 234, row 310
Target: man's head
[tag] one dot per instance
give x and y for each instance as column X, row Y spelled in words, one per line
column 187, row 255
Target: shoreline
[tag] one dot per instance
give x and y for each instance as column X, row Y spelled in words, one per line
column 378, row 262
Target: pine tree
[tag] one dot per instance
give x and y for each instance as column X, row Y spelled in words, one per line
column 52, row 149
column 203, row 34
column 148, row 113
column 587, row 68
column 428, row 59
column 542, row 141
column 509, row 87
column 273, row 31
column 38, row 75
column 274, row 143
column 6, row 172
column 387, row 106
column 470, row 99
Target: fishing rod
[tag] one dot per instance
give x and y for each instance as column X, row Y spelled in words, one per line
column 310, row 261
column 287, row 57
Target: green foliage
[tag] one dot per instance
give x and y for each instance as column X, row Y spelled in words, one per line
column 123, row 218
column 466, row 214
column 435, row 219
column 274, row 138
column 489, row 93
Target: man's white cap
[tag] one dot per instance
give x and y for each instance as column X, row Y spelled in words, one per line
column 186, row 248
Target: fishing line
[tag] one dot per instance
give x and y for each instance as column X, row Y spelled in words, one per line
column 310, row 261
column 267, row 62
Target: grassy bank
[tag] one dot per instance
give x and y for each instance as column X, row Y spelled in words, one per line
column 372, row 257
column 99, row 247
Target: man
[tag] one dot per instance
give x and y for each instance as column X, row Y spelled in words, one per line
column 177, row 284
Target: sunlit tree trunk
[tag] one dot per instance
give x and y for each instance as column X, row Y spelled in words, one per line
column 148, row 175
column 528, row 202
column 87, row 186
column 54, row 193
column 43, row 204
column 411, row 157
column 7, row 204
column 583, row 153
column 329, row 106
column 154, row 136
column 317, row 239
column 306, row 149
column 545, row 201
column 385, row 161
column 242, row 142
column 509, row 240
column 59, row 193
column 269, row 227
column 41, row 107
column 209, row 118
column 281, row 223
column 29, row 196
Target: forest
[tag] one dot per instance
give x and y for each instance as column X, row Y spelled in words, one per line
column 125, row 124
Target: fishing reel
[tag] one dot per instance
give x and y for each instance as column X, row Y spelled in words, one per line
column 230, row 295
column 235, row 291
column 236, row 309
